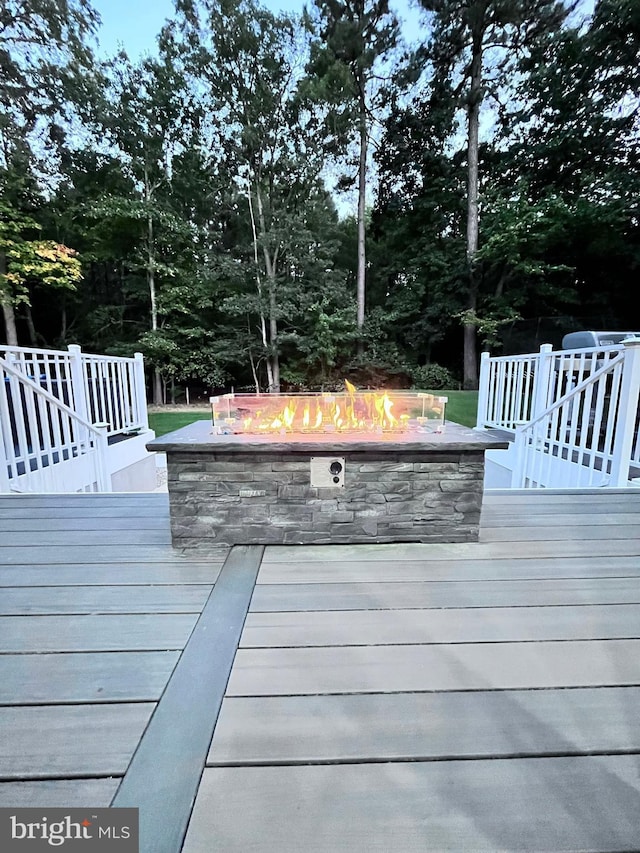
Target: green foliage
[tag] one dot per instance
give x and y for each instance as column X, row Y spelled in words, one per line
column 433, row 377
column 193, row 185
column 31, row 261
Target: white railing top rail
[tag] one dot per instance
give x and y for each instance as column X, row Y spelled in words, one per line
column 118, row 359
column 66, row 353
column 33, row 350
column 558, row 353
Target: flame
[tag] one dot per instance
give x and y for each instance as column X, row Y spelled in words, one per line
column 350, row 410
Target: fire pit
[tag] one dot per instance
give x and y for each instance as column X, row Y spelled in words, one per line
column 347, row 467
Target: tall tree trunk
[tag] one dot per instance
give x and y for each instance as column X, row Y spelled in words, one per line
column 151, row 283
column 7, row 308
column 273, row 334
column 63, row 319
column 254, row 370
column 151, row 280
column 270, row 266
column 470, row 357
column 28, row 316
column 362, row 187
column 263, row 322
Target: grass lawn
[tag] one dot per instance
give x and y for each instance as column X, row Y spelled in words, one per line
column 163, row 422
column 461, row 408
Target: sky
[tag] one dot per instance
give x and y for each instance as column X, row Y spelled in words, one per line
column 134, row 24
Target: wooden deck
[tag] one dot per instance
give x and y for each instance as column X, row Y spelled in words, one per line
column 467, row 697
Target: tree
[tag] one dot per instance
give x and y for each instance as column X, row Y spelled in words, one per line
column 146, row 114
column 349, row 64
column 25, row 260
column 475, row 44
column 43, row 54
column 246, row 63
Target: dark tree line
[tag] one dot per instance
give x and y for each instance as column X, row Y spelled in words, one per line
column 187, row 204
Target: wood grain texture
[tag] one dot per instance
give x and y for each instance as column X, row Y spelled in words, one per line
column 542, row 804
column 81, row 740
column 404, row 726
column 393, row 669
column 531, row 567
column 107, row 574
column 453, row 551
column 471, row 625
column 76, row 600
column 84, row 677
column 428, row 594
column 148, row 632
column 59, row 793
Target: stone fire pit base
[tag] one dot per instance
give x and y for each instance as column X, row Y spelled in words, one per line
column 230, row 490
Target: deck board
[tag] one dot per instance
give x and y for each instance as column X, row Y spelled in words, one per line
column 532, row 567
column 84, row 677
column 95, row 633
column 425, row 726
column 176, row 572
column 394, row 595
column 59, row 793
column 82, row 740
column 460, row 625
column 542, row 804
column 78, row 600
column 68, row 552
column 399, row 669
column 50, row 522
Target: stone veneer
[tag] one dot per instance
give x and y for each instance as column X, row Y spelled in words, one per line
column 229, row 490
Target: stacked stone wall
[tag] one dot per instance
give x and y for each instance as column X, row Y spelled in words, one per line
column 230, row 498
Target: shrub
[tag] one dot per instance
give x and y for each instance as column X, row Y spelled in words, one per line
column 433, row 377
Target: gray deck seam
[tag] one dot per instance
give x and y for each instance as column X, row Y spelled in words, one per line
column 616, row 685
column 436, row 643
column 164, row 775
column 386, row 609
column 421, row 759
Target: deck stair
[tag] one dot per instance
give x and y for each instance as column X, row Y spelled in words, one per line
column 571, row 417
column 72, row 422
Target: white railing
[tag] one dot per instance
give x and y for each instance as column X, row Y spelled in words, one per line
column 587, row 436
column 515, row 390
column 99, row 389
column 45, row 446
